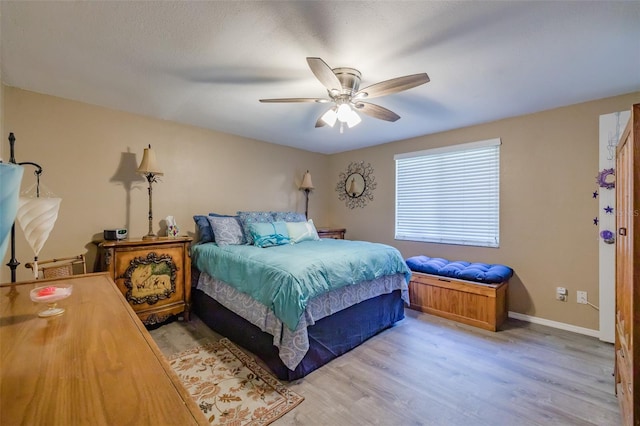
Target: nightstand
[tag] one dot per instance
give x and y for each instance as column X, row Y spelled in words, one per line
column 335, row 233
column 153, row 275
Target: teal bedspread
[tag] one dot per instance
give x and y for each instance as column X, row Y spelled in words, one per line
column 286, row 277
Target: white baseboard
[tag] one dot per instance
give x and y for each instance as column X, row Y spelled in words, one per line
column 555, row 324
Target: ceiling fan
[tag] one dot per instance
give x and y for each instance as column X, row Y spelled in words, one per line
column 343, row 87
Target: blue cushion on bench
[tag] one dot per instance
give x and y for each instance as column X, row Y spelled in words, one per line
column 479, row 272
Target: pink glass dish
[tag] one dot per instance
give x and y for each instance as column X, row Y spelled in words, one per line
column 51, row 295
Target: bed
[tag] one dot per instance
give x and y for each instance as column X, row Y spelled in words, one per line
column 299, row 304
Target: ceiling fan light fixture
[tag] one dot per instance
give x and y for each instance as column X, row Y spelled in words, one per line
column 330, row 117
column 344, row 112
column 353, row 119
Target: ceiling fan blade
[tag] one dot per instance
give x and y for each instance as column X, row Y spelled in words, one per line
column 376, row 111
column 324, row 73
column 318, row 100
column 394, row 85
column 320, row 122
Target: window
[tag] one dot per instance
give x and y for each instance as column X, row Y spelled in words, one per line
column 450, row 195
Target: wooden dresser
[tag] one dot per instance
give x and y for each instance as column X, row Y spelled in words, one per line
column 627, row 344
column 94, row 364
column 153, row 275
column 335, row 233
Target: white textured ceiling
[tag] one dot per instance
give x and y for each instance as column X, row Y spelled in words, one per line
column 208, row 63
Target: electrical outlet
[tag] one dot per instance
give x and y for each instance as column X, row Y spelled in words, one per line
column 561, row 294
column 581, row 297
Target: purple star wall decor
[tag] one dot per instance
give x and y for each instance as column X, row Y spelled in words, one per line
column 608, row 209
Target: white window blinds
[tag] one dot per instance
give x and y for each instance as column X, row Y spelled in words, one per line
column 450, row 195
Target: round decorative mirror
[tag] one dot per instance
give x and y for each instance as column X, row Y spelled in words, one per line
column 355, row 185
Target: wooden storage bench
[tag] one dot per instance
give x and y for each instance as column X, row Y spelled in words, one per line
column 477, row 304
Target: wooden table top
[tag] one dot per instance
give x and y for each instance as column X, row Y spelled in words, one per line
column 95, row 364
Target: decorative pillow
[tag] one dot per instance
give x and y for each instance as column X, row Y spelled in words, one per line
column 204, row 229
column 221, row 215
column 288, row 217
column 227, row 230
column 247, row 218
column 302, row 231
column 269, row 234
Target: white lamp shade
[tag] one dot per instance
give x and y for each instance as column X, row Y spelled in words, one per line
column 149, row 164
column 306, row 181
column 330, row 117
column 344, row 111
column 37, row 217
column 353, row 119
column 352, row 187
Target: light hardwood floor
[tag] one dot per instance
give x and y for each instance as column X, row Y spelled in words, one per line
column 430, row 371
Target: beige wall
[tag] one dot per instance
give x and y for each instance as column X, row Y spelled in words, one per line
column 81, row 148
column 548, row 168
column 549, row 161
column 4, row 150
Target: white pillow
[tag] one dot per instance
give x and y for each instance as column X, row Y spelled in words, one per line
column 302, row 231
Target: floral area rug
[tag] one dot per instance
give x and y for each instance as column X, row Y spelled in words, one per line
column 230, row 388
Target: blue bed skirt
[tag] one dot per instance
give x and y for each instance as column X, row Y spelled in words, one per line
column 329, row 337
